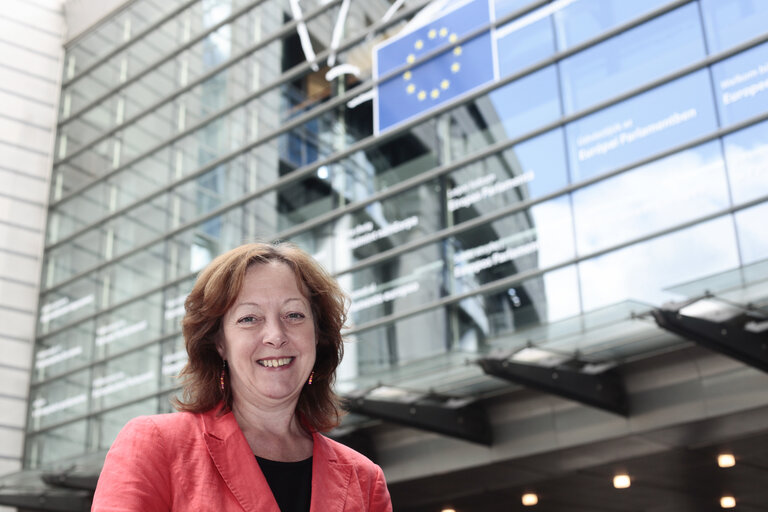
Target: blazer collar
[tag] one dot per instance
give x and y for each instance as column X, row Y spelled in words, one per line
column 238, row 467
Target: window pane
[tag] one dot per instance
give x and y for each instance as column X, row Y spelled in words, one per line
column 585, row 19
column 520, row 46
column 741, row 84
column 520, row 106
column 751, row 225
column 659, row 264
column 746, row 153
column 667, row 192
column 651, row 122
column 730, row 22
column 632, row 58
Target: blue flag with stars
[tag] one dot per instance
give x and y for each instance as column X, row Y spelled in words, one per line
column 452, row 68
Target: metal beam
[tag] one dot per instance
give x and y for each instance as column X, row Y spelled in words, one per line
column 729, row 338
column 603, row 390
column 467, row 421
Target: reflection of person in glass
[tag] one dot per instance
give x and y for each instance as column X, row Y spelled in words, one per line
column 262, row 330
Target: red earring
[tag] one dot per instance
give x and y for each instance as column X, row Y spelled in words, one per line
column 311, row 376
column 223, row 372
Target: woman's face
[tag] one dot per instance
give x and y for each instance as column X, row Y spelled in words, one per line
column 268, row 338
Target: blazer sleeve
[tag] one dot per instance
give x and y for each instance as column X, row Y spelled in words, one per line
column 380, row 500
column 135, row 476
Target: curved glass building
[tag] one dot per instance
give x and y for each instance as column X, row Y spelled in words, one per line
column 492, row 181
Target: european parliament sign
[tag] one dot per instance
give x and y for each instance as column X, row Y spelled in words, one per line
column 432, row 64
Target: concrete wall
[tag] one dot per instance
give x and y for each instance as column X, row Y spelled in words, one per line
column 31, row 37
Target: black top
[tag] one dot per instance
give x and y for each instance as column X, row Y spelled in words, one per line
column 291, row 483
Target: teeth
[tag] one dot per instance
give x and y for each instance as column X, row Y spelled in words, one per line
column 275, row 363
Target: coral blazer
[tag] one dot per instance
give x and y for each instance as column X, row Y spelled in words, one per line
column 198, row 462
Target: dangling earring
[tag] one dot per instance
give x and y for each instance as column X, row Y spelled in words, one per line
column 223, row 372
column 311, row 376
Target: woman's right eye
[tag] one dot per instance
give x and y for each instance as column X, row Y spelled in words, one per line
column 247, row 320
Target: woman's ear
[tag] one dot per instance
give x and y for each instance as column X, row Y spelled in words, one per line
column 220, row 347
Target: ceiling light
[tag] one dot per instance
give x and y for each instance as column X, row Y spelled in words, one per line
column 726, row 460
column 727, row 502
column 530, row 499
column 621, row 481
column 448, row 510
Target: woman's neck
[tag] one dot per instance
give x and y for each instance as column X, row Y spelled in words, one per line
column 275, row 434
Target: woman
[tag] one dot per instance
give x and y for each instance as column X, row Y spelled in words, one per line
column 262, row 330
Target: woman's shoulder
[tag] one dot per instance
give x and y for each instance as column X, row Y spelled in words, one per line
column 158, row 426
column 344, row 454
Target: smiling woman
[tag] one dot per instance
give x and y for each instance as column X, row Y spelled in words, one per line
column 262, row 331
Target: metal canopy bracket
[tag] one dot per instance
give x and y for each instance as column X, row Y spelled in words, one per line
column 462, row 419
column 603, row 390
column 729, row 338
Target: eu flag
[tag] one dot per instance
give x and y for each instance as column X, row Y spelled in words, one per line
column 455, row 70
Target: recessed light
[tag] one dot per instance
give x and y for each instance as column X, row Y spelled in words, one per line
column 530, row 499
column 448, row 510
column 621, row 481
column 727, row 502
column 726, row 460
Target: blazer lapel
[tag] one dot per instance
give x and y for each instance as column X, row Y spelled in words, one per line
column 236, row 464
column 330, row 479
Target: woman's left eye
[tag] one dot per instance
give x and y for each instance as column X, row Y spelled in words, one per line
column 295, row 316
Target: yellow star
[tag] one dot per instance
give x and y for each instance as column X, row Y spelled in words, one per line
column 411, row 58
column 435, row 93
column 457, row 50
column 443, row 32
column 418, row 44
column 455, row 67
column 444, row 84
column 432, row 34
column 421, row 95
column 453, row 38
column 410, row 88
column 407, row 75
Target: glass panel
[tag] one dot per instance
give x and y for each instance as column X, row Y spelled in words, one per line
column 56, row 444
column 59, row 400
column 659, row 264
column 385, row 347
column 125, row 378
column 537, row 301
column 528, row 170
column 74, row 302
column 730, row 22
column 174, row 359
column 746, row 153
column 537, row 237
column 584, row 19
column 651, row 122
column 741, row 84
column 521, row 44
column 133, row 275
column 507, row 112
column 61, row 352
column 128, row 326
column 68, row 260
column 632, row 58
column 173, row 305
column 505, row 7
column 750, row 224
column 661, row 194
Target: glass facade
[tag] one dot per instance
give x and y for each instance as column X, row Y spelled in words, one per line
column 616, row 153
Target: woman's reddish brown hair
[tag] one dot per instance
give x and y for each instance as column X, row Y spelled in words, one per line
column 216, row 289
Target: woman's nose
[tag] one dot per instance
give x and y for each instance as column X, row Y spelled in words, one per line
column 274, row 334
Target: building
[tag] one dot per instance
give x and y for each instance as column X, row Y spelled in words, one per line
column 550, row 217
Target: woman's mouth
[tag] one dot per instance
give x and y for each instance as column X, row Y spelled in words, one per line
column 275, row 362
